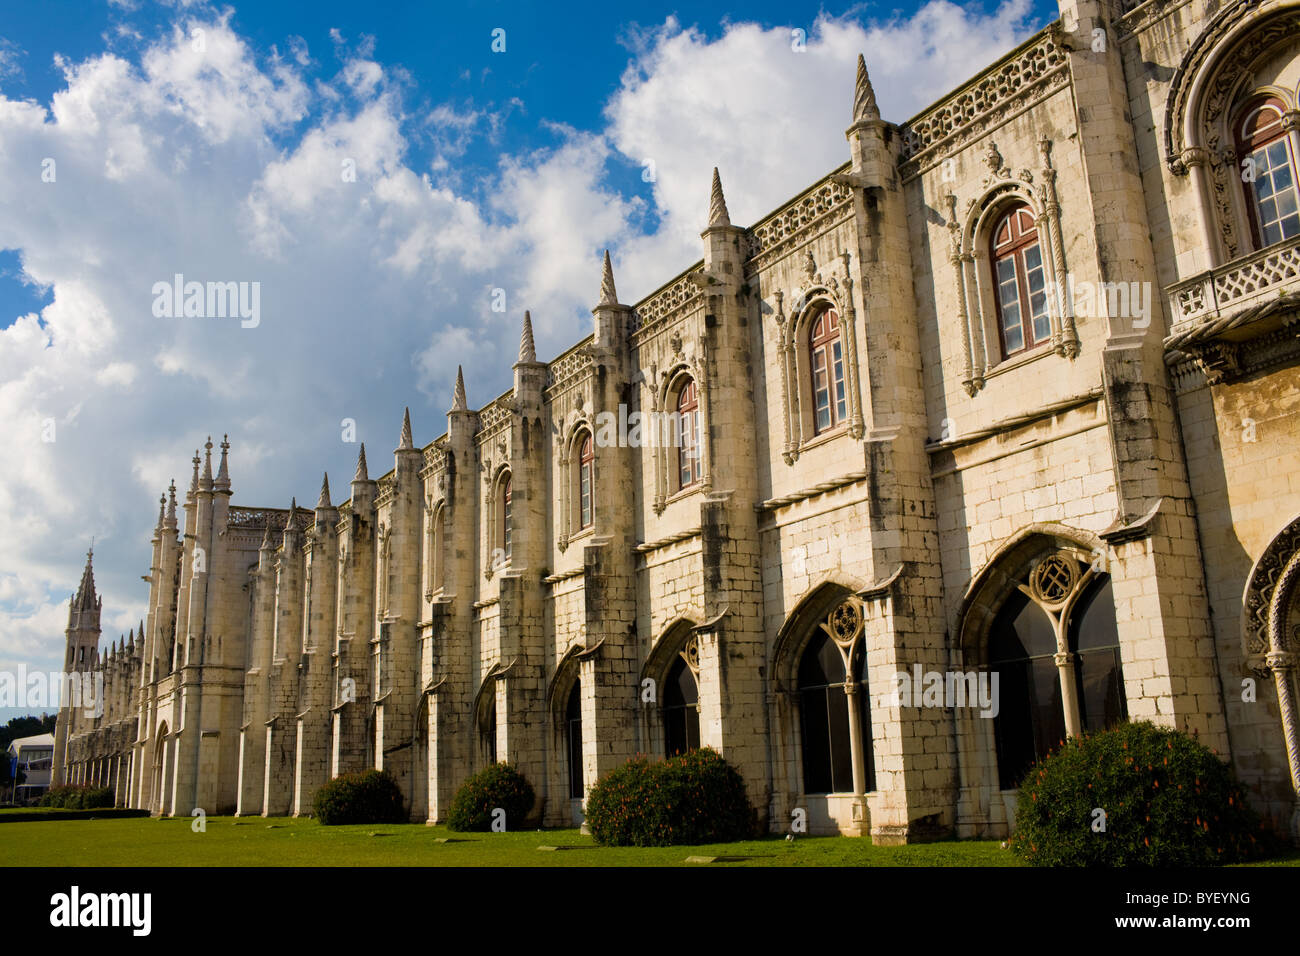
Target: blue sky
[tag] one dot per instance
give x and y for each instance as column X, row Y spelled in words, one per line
column 216, row 142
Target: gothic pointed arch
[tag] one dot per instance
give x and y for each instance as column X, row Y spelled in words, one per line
column 1040, row 618
column 815, row 604
column 673, row 669
column 1271, row 630
column 820, row 669
column 484, row 710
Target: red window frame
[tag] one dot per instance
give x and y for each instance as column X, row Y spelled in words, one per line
column 506, row 529
column 1014, row 236
column 586, row 486
column 1251, row 137
column 826, row 365
column 688, row 447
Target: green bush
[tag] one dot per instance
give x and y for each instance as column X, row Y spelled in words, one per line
column 696, row 797
column 78, row 797
column 499, row 785
column 1168, row 801
column 368, row 797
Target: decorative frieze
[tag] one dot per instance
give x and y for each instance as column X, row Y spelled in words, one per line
column 1020, row 80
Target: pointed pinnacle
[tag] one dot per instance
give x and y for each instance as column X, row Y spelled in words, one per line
column 527, row 349
column 293, row 511
column 608, row 295
column 162, row 507
column 266, row 539
column 194, row 481
column 207, row 464
column 171, row 505
column 718, row 215
column 405, row 441
column 324, row 500
column 86, row 592
column 362, row 474
column 458, row 401
column 223, row 472
column 864, row 97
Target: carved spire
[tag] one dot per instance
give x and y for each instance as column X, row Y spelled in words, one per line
column 527, row 349
column 162, row 508
column 405, row 442
column 458, row 403
column 223, row 472
column 85, row 599
column 206, row 483
column 362, row 474
column 171, row 505
column 718, row 215
column 608, row 295
column 194, row 481
column 288, row 522
column 324, row 500
column 267, row 544
column 864, row 97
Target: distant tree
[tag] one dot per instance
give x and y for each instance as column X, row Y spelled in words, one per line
column 27, row 726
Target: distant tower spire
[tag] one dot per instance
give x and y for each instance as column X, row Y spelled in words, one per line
column 85, row 599
column 527, row 349
column 223, row 472
column 405, row 442
column 324, row 500
column 718, row 215
column 608, row 295
column 864, row 97
column 458, row 403
column 362, row 474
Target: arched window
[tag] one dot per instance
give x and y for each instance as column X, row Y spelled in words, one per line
column 1094, row 638
column 1034, row 712
column 1268, row 171
column 490, row 728
column 584, row 473
column 824, row 711
column 505, row 520
column 688, row 431
column 573, row 734
column 1020, row 282
column 681, row 709
column 437, row 531
column 1030, row 720
column 826, row 360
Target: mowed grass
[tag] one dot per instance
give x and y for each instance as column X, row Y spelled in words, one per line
column 285, row 841
column 255, row 841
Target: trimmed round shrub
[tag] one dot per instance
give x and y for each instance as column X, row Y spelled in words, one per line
column 1167, row 801
column 78, row 797
column 371, row 796
column 693, row 798
column 498, row 786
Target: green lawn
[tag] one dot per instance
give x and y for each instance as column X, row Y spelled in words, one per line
column 255, row 841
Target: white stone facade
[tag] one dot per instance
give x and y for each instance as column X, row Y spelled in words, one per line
column 1146, row 447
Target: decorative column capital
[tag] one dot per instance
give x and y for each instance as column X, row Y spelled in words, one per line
column 1280, row 660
